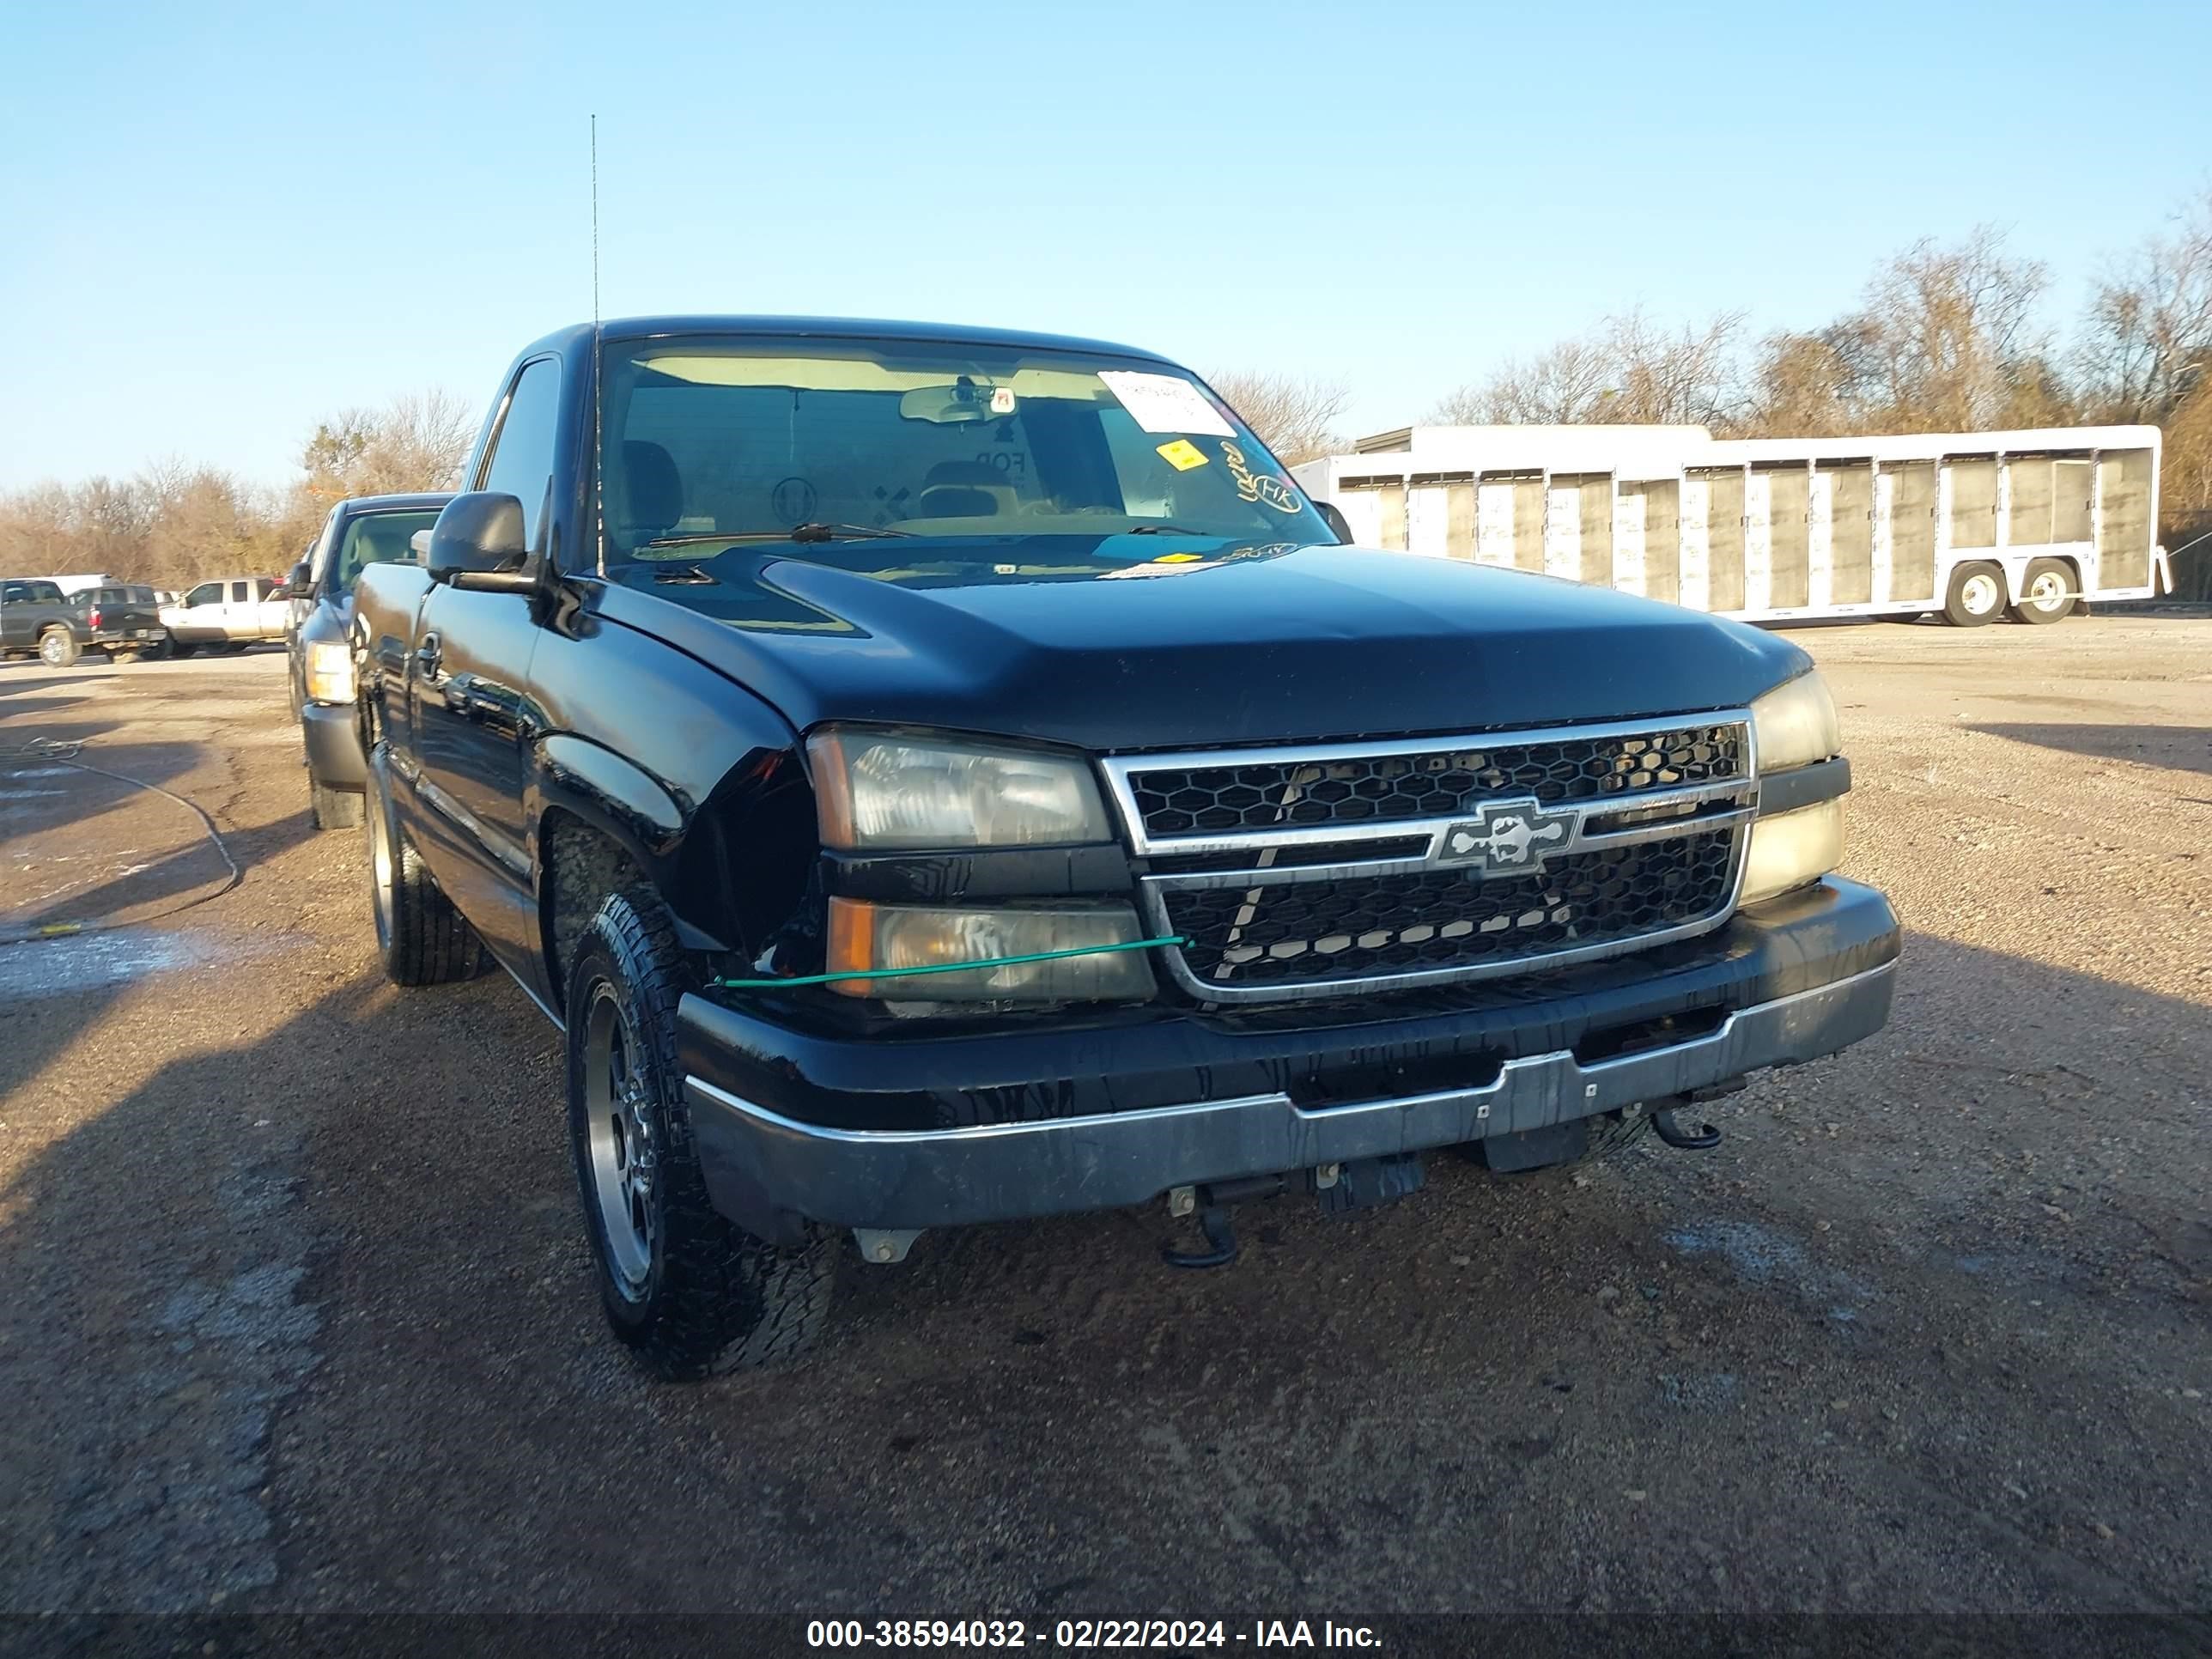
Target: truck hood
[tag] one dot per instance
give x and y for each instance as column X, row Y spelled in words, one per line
column 1189, row 648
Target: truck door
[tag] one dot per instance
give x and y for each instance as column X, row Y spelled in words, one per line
column 14, row 617
column 203, row 615
column 468, row 680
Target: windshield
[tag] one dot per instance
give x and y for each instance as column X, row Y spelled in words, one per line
column 375, row 538
column 755, row 439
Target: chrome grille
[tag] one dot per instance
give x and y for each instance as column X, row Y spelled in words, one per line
column 1329, row 870
column 1361, row 926
column 1386, row 786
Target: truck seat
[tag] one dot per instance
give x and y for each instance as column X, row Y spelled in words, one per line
column 652, row 492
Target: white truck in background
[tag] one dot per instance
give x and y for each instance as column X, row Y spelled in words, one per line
column 229, row 614
column 1966, row 526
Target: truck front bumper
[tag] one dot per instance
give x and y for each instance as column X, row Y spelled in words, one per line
column 1037, row 1123
column 333, row 739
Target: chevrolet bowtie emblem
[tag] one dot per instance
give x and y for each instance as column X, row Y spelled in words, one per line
column 1506, row 835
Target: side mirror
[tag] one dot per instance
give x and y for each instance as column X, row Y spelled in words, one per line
column 1336, row 520
column 477, row 542
column 300, row 584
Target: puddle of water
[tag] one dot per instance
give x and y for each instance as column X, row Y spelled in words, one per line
column 90, row 962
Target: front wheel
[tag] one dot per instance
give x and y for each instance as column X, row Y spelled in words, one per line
column 691, row 1291
column 333, row 809
column 57, row 648
column 419, row 936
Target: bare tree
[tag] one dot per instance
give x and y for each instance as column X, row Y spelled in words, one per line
column 1563, row 385
column 2147, row 341
column 1629, row 370
column 1944, row 336
column 1295, row 418
column 1801, row 386
column 1681, row 377
column 414, row 442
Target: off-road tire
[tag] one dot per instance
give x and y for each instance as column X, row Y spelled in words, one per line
column 58, row 649
column 1959, row 609
column 2046, row 571
column 180, row 649
column 713, row 1298
column 334, row 809
column 421, row 938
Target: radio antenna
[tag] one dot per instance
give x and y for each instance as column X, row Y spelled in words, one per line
column 598, row 366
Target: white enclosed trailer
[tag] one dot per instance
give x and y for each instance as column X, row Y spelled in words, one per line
column 1775, row 529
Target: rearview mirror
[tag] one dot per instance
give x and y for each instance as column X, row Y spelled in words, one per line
column 949, row 405
column 478, row 534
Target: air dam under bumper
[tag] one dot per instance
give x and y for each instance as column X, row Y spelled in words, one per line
column 758, row 1160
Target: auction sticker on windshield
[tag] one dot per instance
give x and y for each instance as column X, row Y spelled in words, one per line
column 1165, row 403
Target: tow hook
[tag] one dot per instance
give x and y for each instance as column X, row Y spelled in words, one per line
column 1343, row 1188
column 1212, row 1203
column 1702, row 1139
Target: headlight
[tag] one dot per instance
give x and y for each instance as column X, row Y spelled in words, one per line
column 864, row 937
column 330, row 671
column 1797, row 724
column 1792, row 848
column 882, row 792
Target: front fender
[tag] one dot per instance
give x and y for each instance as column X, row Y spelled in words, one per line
column 616, row 798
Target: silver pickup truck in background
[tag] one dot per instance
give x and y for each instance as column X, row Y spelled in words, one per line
column 229, row 614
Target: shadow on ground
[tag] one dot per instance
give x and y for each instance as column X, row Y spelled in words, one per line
column 2181, row 748
column 307, row 1322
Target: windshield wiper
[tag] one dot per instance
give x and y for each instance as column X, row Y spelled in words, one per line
column 802, row 532
column 830, row 532
column 1162, row 530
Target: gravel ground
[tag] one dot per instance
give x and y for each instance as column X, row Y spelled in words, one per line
column 298, row 1316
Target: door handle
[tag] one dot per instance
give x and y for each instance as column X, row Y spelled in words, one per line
column 428, row 654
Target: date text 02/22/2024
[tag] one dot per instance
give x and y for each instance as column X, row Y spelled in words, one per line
column 1084, row 1634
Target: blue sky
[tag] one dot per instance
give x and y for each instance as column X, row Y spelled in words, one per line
column 218, row 223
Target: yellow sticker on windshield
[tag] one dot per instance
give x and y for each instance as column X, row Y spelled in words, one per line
column 1179, row 558
column 1182, row 455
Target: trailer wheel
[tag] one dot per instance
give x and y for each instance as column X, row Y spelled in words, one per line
column 1977, row 595
column 2046, row 591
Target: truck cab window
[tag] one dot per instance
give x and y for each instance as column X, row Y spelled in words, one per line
column 520, row 460
column 205, row 593
column 375, row 538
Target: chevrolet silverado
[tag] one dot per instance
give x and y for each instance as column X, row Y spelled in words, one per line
column 937, row 775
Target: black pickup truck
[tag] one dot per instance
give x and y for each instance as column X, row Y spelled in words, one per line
column 939, row 775
column 120, row 618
